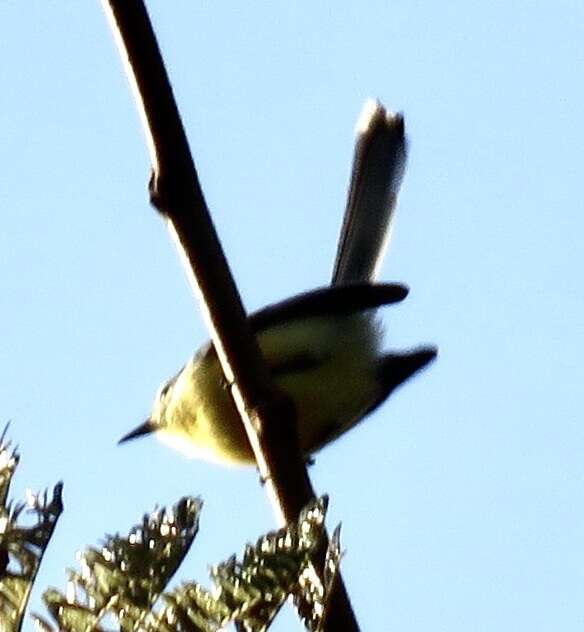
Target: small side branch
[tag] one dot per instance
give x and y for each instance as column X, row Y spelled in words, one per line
column 268, row 416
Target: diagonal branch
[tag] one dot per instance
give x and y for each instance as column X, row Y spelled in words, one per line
column 175, row 191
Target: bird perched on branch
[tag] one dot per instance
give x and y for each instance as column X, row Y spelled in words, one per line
column 323, row 348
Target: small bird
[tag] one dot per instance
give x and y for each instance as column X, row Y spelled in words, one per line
column 323, row 349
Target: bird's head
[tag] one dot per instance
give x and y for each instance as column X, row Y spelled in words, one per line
column 157, row 419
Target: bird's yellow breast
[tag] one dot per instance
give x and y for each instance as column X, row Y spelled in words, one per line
column 325, row 365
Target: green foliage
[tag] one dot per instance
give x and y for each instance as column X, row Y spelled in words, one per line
column 123, row 579
column 120, row 583
column 22, row 546
column 312, row 597
column 278, row 566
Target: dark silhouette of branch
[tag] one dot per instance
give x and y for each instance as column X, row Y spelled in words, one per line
column 268, row 415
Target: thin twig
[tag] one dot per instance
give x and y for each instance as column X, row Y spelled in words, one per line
column 268, row 415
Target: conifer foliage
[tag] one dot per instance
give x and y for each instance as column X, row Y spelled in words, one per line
column 121, row 584
column 25, row 531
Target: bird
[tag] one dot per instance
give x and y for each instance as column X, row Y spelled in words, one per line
column 322, row 347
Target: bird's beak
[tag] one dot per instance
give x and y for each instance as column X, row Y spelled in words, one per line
column 143, row 429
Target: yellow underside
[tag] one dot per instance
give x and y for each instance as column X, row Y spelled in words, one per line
column 329, row 398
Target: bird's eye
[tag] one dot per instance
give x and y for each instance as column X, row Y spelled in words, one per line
column 164, row 390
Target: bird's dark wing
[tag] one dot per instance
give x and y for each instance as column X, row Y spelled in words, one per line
column 298, row 362
column 338, row 299
column 394, row 369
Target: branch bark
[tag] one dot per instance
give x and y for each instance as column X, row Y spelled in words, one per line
column 175, row 191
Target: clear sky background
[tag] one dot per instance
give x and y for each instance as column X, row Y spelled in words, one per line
column 461, row 498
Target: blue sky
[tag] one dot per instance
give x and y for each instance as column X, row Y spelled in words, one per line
column 461, row 498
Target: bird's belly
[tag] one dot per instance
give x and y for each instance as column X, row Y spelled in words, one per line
column 331, row 391
column 324, row 410
column 329, row 403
